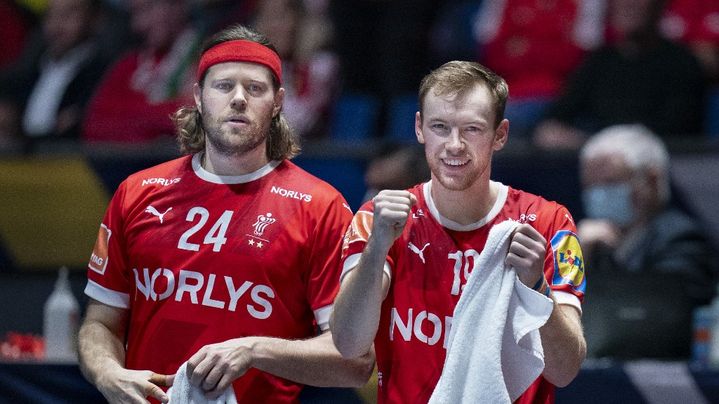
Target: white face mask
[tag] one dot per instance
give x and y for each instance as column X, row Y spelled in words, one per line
column 612, row 202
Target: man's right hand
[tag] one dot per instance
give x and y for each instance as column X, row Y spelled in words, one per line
column 391, row 210
column 133, row 386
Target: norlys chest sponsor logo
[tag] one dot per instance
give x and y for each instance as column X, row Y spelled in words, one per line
column 160, row 181
column 291, row 194
column 209, row 290
column 420, row 325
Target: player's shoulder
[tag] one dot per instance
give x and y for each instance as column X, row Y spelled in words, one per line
column 525, row 200
column 292, row 180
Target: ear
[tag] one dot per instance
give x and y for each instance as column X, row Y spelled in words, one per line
column 279, row 99
column 197, row 93
column 418, row 127
column 501, row 134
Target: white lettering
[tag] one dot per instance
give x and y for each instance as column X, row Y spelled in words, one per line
column 413, row 327
column 144, row 288
column 447, row 329
column 405, row 329
column 192, row 284
column 261, row 315
column 96, row 260
column 206, row 299
column 170, row 284
column 423, row 315
column 160, row 181
column 291, row 194
column 235, row 294
column 187, row 287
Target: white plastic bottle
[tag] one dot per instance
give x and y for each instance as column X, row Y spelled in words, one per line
column 61, row 319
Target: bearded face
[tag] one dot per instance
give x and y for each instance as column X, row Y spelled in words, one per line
column 237, row 105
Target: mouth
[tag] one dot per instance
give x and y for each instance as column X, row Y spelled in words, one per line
column 455, row 162
column 237, row 120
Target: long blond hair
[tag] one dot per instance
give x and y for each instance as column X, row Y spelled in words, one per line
column 282, row 142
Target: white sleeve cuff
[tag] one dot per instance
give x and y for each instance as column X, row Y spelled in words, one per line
column 568, row 299
column 322, row 316
column 107, row 296
column 353, row 260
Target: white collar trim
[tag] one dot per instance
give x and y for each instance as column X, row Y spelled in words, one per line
column 230, row 179
column 451, row 224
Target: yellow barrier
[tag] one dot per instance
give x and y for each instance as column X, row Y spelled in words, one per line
column 50, row 210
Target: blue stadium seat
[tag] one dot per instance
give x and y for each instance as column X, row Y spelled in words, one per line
column 711, row 119
column 400, row 120
column 354, row 117
column 345, row 174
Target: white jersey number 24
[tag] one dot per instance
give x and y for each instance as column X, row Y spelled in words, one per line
column 216, row 234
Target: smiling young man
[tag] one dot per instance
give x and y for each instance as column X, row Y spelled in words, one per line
column 408, row 253
column 227, row 258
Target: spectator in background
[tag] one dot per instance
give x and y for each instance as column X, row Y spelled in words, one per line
column 140, row 92
column 535, row 45
column 44, row 96
column 383, row 45
column 631, row 225
column 215, row 15
column 638, row 76
column 302, row 32
column 451, row 36
column 399, row 167
column 696, row 24
column 13, row 31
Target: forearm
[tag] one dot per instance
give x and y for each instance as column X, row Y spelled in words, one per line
column 99, row 351
column 564, row 345
column 356, row 313
column 314, row 362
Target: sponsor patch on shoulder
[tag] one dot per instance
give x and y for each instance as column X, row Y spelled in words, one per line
column 100, row 253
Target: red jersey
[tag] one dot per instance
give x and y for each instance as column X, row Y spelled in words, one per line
column 691, row 21
column 518, row 33
column 428, row 266
column 199, row 258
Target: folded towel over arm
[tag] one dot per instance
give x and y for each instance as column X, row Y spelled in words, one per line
column 494, row 350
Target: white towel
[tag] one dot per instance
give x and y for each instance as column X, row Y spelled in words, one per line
column 494, row 351
column 182, row 392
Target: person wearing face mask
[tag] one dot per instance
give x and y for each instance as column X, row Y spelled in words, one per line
column 631, row 224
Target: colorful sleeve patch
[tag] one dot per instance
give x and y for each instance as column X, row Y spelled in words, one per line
column 359, row 229
column 568, row 261
column 100, row 253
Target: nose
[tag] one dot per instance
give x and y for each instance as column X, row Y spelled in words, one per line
column 239, row 101
column 455, row 143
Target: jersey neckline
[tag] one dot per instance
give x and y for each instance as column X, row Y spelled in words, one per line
column 230, row 179
column 451, row 224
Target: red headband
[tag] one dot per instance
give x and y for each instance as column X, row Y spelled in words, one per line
column 240, row 50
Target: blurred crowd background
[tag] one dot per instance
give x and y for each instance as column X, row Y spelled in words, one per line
column 87, row 88
column 94, row 71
